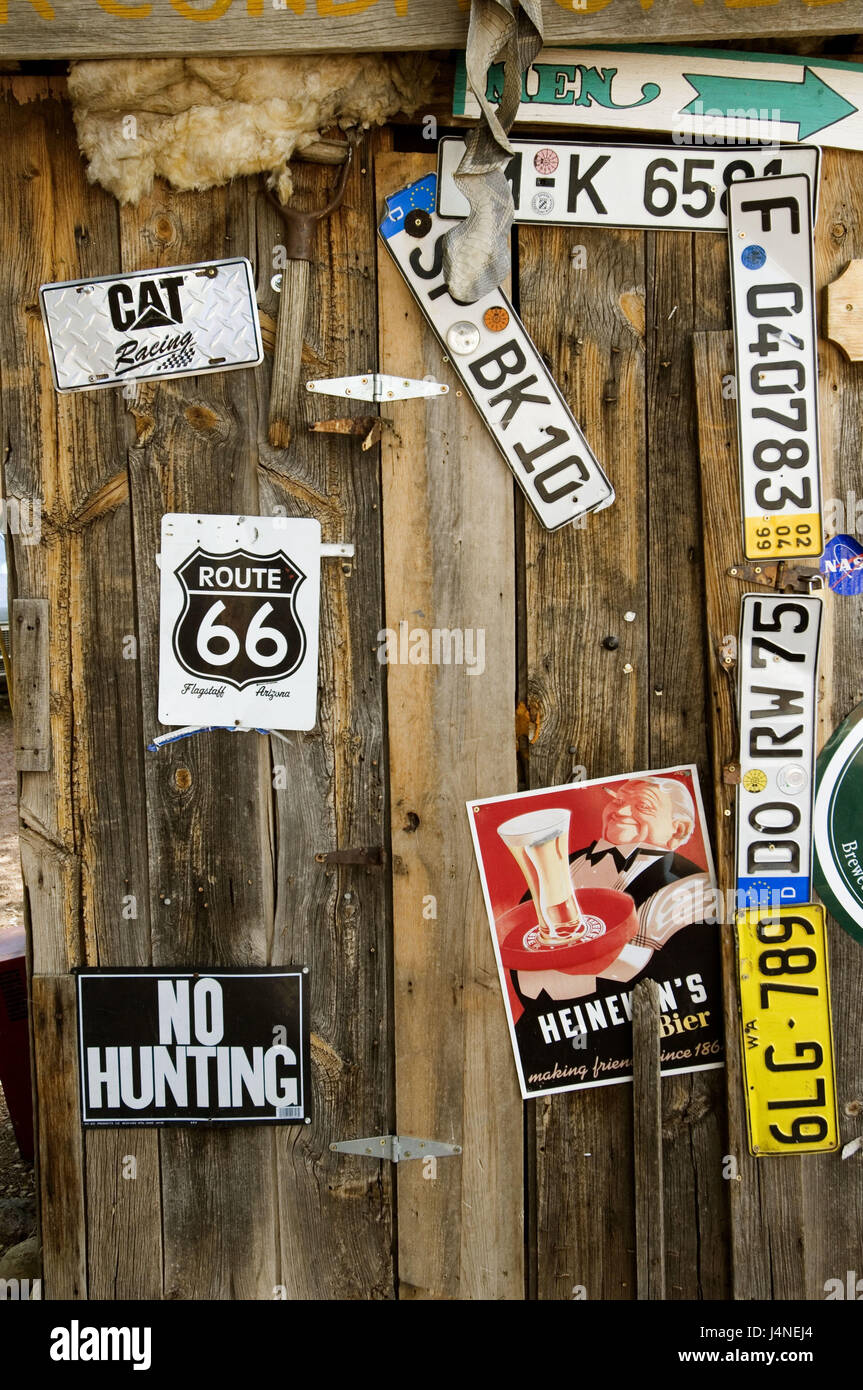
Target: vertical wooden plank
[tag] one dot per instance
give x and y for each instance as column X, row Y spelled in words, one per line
column 833, row 1199
column 765, row 1198
column 448, row 558
column 684, row 292
column 61, row 1160
column 589, row 711
column 31, row 693
column 39, row 460
column 647, row 1141
column 335, row 1210
column 207, row 798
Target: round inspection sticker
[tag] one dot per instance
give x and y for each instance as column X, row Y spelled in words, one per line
column 496, row 318
column 753, row 257
column 546, row 161
column 755, row 780
column 543, row 204
column 463, row 337
column 792, row 779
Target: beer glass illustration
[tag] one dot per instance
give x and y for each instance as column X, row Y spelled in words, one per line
column 539, row 843
column 558, row 941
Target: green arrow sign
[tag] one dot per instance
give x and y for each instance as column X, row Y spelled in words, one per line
column 737, row 96
column 811, row 104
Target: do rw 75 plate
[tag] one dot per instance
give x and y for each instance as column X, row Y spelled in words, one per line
column 500, row 367
column 770, row 239
column 179, row 321
column 778, row 662
column 583, row 184
column 787, row 1035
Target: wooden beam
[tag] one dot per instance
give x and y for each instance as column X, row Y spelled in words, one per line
column 448, row 563
column 31, row 692
column 585, row 312
column 40, row 29
column 335, row 1210
column 647, row 1141
column 60, row 1148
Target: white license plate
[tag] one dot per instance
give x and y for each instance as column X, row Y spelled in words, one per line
column 500, row 368
column 579, row 184
column 770, row 240
column 778, row 663
column 180, row 321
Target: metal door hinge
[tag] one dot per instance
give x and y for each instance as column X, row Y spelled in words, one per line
column 396, row 1147
column 373, row 857
column 376, row 387
column 780, row 576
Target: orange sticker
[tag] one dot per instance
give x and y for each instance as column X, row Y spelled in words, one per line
column 495, row 319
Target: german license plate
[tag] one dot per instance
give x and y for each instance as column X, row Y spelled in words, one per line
column 787, row 1036
column 500, row 368
column 580, row 184
column 770, row 238
column 182, row 321
column 778, row 661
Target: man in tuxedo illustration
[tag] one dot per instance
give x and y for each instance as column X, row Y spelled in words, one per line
column 644, row 823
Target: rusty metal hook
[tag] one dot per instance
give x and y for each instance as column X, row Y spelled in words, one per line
column 300, row 226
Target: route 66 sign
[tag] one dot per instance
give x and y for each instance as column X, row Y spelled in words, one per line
column 240, row 599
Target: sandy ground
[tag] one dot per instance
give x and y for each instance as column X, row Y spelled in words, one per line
column 16, row 1176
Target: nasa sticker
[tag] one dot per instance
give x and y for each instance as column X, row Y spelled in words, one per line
column 180, row 321
column 239, row 615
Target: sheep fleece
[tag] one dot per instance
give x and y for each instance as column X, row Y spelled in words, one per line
column 199, row 122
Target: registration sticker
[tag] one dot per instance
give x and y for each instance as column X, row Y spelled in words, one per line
column 772, row 282
column 787, row 1034
column 778, row 657
column 500, row 367
column 656, row 187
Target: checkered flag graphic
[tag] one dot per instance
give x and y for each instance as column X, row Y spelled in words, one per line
column 178, row 360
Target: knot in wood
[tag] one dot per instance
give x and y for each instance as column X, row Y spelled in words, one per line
column 183, row 779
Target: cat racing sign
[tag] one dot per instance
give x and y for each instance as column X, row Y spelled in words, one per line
column 183, row 321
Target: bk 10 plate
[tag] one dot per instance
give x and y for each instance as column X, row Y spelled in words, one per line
column 580, row 184
column 500, row 367
column 181, row 321
column 770, row 239
column 787, row 1035
column 778, row 659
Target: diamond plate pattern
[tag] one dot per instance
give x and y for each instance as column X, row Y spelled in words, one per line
column 217, row 328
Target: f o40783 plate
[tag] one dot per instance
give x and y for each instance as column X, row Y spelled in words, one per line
column 502, row 372
column 770, row 240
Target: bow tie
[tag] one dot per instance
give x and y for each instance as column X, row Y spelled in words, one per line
column 622, row 861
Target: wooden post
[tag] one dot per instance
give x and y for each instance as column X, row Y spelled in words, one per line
column 31, row 694
column 448, row 547
column 647, row 1141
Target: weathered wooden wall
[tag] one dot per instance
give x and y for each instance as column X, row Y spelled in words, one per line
column 219, row 863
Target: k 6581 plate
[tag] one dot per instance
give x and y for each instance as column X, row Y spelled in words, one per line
column 778, row 662
column 770, row 238
column 500, row 367
column 787, row 1035
column 581, row 184
column 181, row 321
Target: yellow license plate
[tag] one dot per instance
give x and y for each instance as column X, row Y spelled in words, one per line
column 787, row 1036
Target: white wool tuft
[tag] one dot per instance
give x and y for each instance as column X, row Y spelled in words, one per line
column 199, row 122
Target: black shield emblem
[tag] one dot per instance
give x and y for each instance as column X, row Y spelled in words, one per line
column 239, row 621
